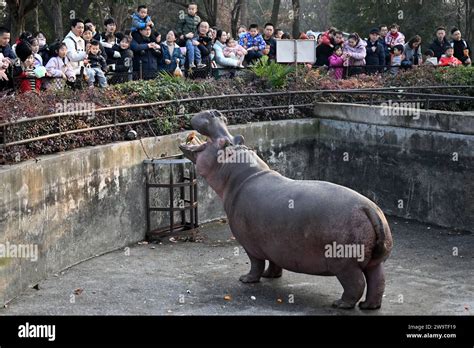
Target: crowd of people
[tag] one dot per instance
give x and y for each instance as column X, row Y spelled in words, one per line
column 98, row 58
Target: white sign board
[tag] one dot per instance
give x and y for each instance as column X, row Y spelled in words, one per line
column 299, row 51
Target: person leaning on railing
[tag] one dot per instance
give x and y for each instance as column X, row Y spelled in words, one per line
column 146, row 54
column 59, row 67
column 122, row 67
column 28, row 77
column 354, row 54
column 375, row 59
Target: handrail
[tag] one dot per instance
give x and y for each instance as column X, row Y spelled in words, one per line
column 254, row 95
column 423, row 97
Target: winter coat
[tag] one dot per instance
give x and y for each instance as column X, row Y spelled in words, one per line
column 377, row 57
column 125, row 62
column 97, row 61
column 56, row 66
column 247, row 41
column 392, row 40
column 459, row 47
column 272, row 43
column 358, row 53
column 188, row 24
column 139, row 23
column 447, row 61
column 7, row 52
column 148, row 56
column 166, row 54
column 412, row 53
column 439, row 47
column 323, row 52
column 27, row 80
column 386, row 50
column 337, row 66
column 221, row 60
column 75, row 50
column 108, row 47
column 205, row 45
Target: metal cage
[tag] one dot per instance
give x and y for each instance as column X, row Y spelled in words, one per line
column 182, row 177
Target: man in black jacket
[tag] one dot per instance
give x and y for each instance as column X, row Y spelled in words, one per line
column 270, row 50
column 5, row 48
column 146, row 54
column 375, row 53
column 440, row 43
column 462, row 51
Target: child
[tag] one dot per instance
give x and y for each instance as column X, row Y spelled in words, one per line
column 4, row 64
column 29, row 77
column 35, row 49
column 59, row 67
column 235, row 51
column 172, row 57
column 187, row 26
column 430, row 58
column 141, row 19
column 336, row 63
column 88, row 36
column 394, row 37
column 396, row 59
column 97, row 65
column 449, row 59
column 254, row 43
column 125, row 62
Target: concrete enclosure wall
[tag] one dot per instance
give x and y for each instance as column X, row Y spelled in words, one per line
column 82, row 203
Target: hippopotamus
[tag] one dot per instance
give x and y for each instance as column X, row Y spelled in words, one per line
column 303, row 226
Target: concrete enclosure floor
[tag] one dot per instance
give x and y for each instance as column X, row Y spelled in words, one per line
column 428, row 273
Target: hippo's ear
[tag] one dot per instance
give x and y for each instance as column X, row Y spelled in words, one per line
column 239, row 140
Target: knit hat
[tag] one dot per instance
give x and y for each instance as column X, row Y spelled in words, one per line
column 311, row 33
column 374, row 31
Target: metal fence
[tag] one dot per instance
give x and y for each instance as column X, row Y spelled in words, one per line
column 40, row 128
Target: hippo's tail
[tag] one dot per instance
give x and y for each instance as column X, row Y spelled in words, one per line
column 383, row 243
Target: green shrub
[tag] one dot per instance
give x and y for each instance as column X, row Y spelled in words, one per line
column 462, row 75
column 275, row 74
column 164, row 87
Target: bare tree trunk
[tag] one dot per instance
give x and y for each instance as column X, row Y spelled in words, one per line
column 235, row 16
column 296, row 8
column 18, row 10
column 469, row 32
column 275, row 12
column 36, row 26
column 58, row 19
column 84, row 10
column 53, row 9
column 101, row 15
column 244, row 13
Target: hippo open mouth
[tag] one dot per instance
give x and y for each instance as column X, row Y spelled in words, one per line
column 213, row 125
column 192, row 147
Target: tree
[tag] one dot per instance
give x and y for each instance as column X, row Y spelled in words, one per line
column 415, row 17
column 18, row 10
column 296, row 8
column 275, row 12
column 235, row 16
column 53, row 9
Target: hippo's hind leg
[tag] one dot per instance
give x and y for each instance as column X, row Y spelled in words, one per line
column 256, row 270
column 375, row 287
column 273, row 271
column 353, row 282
